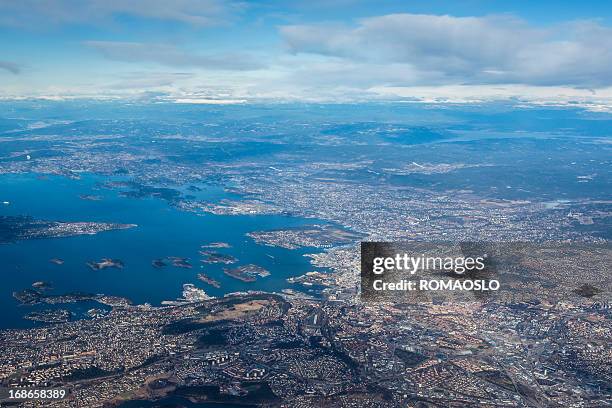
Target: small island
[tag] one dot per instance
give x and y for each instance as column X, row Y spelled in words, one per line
column 19, row 228
column 176, row 261
column 158, row 263
column 247, row 273
column 32, row 297
column 180, row 262
column 90, row 197
column 105, row 263
column 217, row 245
column 211, row 257
column 207, row 279
column 42, row 286
column 28, row 296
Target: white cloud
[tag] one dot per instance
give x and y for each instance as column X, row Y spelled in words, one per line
column 10, row 67
column 548, row 95
column 391, row 57
column 171, row 55
column 45, row 12
column 200, row 101
column 438, row 50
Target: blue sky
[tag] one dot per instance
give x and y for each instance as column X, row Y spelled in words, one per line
column 317, row 50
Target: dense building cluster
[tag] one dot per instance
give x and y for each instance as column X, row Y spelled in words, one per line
column 269, row 349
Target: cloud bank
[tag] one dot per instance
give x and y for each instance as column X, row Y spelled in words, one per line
column 400, row 56
column 435, row 50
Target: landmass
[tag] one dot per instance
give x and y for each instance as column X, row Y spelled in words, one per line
column 105, row 263
column 387, row 178
column 217, row 245
column 28, row 296
column 97, row 313
column 211, row 257
column 247, row 273
column 50, row 316
column 587, row 290
column 158, row 263
column 262, row 349
column 207, row 279
column 176, row 261
column 231, row 207
column 18, row 228
column 193, row 294
column 316, row 236
column 313, row 279
column 33, row 297
column 90, row 197
column 180, row 262
column 42, row 285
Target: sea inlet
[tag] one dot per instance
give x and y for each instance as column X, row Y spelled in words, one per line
column 162, row 232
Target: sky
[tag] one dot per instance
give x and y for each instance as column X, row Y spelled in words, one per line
column 213, row 51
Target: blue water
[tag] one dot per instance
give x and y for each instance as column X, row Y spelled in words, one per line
column 162, row 231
